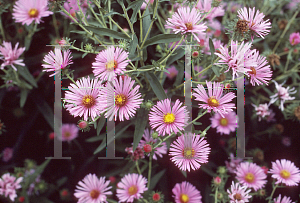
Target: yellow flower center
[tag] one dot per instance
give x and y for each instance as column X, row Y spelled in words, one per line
column 208, row 30
column 188, row 153
column 212, row 101
column 223, row 121
column 33, row 13
column 88, row 101
column 237, row 196
column 94, row 194
column 285, row 174
column 111, row 65
column 132, row 190
column 169, row 118
column 189, row 26
column 249, row 177
column 184, row 198
column 120, row 100
column 67, row 134
column 253, row 71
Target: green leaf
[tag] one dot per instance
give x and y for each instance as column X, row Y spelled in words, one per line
column 156, row 178
column 180, row 74
column 113, row 13
column 140, row 125
column 179, row 53
column 45, row 109
column 156, row 86
column 23, row 97
column 146, row 23
column 162, row 38
column 24, row 72
column 133, row 4
column 107, row 32
column 216, row 70
column 212, row 49
column 184, row 173
column 101, row 123
column 136, row 6
column 132, row 47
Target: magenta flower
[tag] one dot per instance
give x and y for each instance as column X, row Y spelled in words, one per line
column 251, row 175
column 167, row 119
column 131, row 187
column 185, row 192
column 83, row 98
column 110, row 62
column 285, row 172
column 255, row 22
column 185, row 21
column 238, row 194
column 205, row 6
column 8, row 186
column 91, row 189
column 233, row 164
column 173, row 72
column 68, row 132
column 285, row 199
column 262, row 111
column 225, row 125
column 26, row 11
column 7, row 154
column 295, row 38
column 11, row 55
column 215, row 100
column 189, row 151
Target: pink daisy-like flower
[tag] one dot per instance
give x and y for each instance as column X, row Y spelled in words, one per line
column 11, row 55
column 295, row 38
column 225, row 125
column 189, row 151
column 144, row 5
column 56, row 61
column 285, row 199
column 147, row 138
column 262, row 111
column 68, row 132
column 84, row 98
column 215, row 100
column 205, row 6
column 131, row 187
column 71, row 7
column 238, row 194
column 255, row 21
column 283, row 94
column 285, row 172
column 110, row 62
column 185, row 192
column 7, row 154
column 251, row 175
column 173, row 72
column 185, row 21
column 233, row 164
column 8, row 186
column 262, row 73
column 167, row 119
column 93, row 190
column 26, row 11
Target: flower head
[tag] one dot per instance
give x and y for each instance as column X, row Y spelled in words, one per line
column 57, row 61
column 68, row 132
column 262, row 110
column 185, row 192
column 167, row 119
column 11, row 55
column 173, row 72
column 131, row 187
column 295, row 38
column 189, row 151
column 7, row 154
column 285, row 171
column 285, row 199
column 233, row 164
column 251, row 175
column 27, row 11
column 71, row 7
column 91, row 189
column 8, row 186
column 215, row 100
column 205, row 6
column 225, row 125
column 238, row 194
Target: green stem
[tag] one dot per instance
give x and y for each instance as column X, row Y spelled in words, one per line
column 162, row 140
column 216, row 195
column 205, row 15
column 137, row 167
column 92, row 10
column 149, row 170
column 81, row 13
column 2, row 29
column 208, row 67
column 55, row 25
column 114, row 22
column 272, row 193
column 110, row 25
column 68, row 76
column 172, row 50
column 197, row 118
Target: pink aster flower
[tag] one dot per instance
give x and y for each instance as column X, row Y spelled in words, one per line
column 68, row 132
column 262, row 73
column 185, row 192
column 282, row 94
column 225, row 125
column 8, row 186
column 285, row 199
column 167, row 119
column 295, row 38
column 271, row 117
column 83, row 98
column 215, row 100
column 71, row 7
column 205, row 6
column 7, row 154
column 91, row 189
column 131, row 187
column 11, row 55
column 189, row 151
column 262, row 111
column 185, row 21
column 144, row 5
column 147, row 139
column 285, row 172
column 233, row 164
column 251, row 175
column 255, row 22
column 26, row 11
column 173, row 72
column 238, row 194
column 57, row 61
column 293, row 5
column 110, row 62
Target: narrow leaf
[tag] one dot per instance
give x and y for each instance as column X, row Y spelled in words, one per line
column 162, row 38
column 156, row 178
column 136, row 7
column 140, row 125
column 132, row 47
column 101, row 123
column 24, row 72
column 156, row 86
column 23, row 95
column 178, row 54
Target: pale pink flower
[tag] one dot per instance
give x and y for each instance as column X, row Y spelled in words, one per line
column 7, row 154
column 205, row 6
column 144, row 5
column 215, row 100
column 213, row 26
column 166, row 119
column 27, row 11
column 131, row 187
column 8, row 186
column 238, row 194
column 93, row 190
column 11, row 56
column 68, row 132
column 293, row 5
column 189, row 151
column 271, row 117
column 173, row 72
column 295, row 38
column 57, row 61
column 285, row 199
column 262, row 111
column 251, row 175
column 233, row 164
column 185, row 192
column 71, row 7
column 225, row 125
column 185, row 21
column 285, row 171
